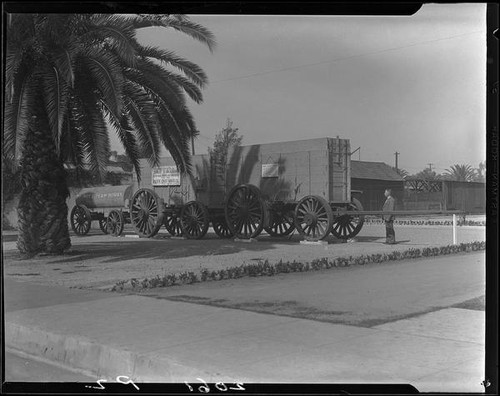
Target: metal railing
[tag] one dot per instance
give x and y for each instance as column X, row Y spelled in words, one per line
column 409, row 213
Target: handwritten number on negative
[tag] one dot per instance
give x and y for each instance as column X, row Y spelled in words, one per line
column 221, row 386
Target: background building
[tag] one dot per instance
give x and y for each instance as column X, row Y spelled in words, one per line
column 372, row 178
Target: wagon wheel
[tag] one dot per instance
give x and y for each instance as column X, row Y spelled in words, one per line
column 115, row 223
column 173, row 224
column 221, row 228
column 245, row 211
column 194, row 220
column 281, row 223
column 348, row 226
column 80, row 220
column 146, row 213
column 313, row 218
column 103, row 225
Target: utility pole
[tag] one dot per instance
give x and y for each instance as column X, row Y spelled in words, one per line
column 396, row 154
column 430, row 166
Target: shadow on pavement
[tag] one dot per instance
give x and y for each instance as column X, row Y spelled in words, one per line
column 164, row 247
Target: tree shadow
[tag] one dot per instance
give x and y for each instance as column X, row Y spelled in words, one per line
column 112, row 250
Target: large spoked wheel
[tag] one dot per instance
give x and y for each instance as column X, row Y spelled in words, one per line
column 173, row 224
column 348, row 226
column 115, row 223
column 80, row 220
column 313, row 218
column 146, row 213
column 281, row 223
column 245, row 211
column 221, row 228
column 103, row 225
column 194, row 220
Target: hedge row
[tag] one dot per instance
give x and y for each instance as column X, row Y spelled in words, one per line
column 264, row 268
column 431, row 222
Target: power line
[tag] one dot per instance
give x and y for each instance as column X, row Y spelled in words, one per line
column 340, row 59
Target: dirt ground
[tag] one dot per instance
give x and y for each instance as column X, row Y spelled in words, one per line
column 99, row 261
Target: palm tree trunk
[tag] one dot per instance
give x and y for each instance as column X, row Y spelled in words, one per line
column 42, row 210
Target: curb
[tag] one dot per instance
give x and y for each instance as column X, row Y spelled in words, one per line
column 89, row 357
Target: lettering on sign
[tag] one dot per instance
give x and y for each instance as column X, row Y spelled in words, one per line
column 166, row 176
column 270, row 170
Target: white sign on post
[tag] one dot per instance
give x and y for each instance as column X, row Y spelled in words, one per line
column 270, row 170
column 166, row 176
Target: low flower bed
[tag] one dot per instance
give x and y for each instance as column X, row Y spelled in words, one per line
column 430, row 222
column 264, row 268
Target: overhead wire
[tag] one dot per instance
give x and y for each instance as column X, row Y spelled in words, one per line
column 341, row 59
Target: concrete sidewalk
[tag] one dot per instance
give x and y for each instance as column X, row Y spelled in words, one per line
column 153, row 340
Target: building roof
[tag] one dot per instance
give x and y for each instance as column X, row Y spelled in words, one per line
column 374, row 171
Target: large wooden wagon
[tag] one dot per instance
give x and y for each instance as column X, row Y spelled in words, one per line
column 302, row 185
column 277, row 187
column 184, row 204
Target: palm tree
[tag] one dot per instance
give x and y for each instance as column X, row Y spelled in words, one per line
column 481, row 172
column 401, row 172
column 67, row 77
column 461, row 173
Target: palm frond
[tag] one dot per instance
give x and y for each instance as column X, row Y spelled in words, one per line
column 55, row 97
column 146, row 131
column 72, row 150
column 179, row 23
column 190, row 69
column 127, row 138
column 93, row 132
column 64, row 61
column 17, row 116
column 106, row 72
column 175, row 138
column 156, row 86
column 113, row 32
column 171, row 80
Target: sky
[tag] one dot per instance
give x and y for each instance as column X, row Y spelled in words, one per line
column 415, row 84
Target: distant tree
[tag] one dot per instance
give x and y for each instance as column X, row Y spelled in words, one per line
column 427, row 174
column 461, row 173
column 401, row 172
column 225, row 139
column 481, row 172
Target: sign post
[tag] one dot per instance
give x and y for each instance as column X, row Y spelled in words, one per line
column 454, row 229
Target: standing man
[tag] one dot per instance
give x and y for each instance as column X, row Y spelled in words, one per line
column 389, row 205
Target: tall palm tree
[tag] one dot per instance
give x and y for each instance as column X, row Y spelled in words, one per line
column 461, row 173
column 67, row 77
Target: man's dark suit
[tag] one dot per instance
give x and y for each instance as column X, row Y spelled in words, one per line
column 389, row 205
